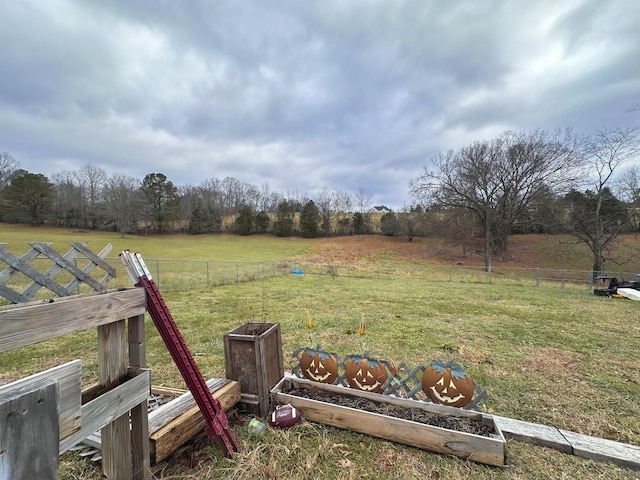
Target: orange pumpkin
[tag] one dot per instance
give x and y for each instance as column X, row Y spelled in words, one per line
column 447, row 384
column 319, row 365
column 366, row 374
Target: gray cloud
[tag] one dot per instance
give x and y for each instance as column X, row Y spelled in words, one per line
column 303, row 95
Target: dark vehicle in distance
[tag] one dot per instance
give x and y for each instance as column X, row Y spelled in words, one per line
column 613, row 285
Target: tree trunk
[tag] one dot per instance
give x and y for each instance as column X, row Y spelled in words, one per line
column 487, row 250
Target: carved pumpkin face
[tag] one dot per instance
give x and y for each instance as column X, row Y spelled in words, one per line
column 447, row 384
column 365, row 374
column 319, row 365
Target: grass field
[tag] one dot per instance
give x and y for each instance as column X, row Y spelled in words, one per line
column 558, row 356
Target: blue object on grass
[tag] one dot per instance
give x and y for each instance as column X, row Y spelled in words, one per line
column 297, row 272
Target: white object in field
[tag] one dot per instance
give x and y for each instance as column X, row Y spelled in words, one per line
column 630, row 293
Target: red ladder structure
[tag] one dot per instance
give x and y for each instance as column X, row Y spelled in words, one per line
column 217, row 424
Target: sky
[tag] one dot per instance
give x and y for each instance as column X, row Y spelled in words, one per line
column 303, row 96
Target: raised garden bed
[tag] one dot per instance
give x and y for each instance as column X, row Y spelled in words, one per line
column 437, row 428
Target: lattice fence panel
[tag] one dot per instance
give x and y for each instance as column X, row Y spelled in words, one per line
column 43, row 267
column 406, row 384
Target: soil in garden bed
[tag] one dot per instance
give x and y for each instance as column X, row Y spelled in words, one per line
column 450, row 422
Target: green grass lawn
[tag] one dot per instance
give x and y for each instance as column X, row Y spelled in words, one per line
column 558, row 356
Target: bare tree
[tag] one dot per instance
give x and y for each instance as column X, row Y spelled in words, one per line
column 498, row 180
column 597, row 219
column 92, row 180
column 627, row 188
column 364, row 201
column 8, row 166
column 122, row 202
column 69, row 202
column 333, row 205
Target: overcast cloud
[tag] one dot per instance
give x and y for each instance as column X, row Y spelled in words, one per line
column 303, row 95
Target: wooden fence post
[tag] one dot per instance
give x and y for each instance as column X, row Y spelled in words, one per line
column 139, row 418
column 29, row 431
column 112, row 366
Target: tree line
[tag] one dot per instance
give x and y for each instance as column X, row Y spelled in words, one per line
column 90, row 199
column 519, row 182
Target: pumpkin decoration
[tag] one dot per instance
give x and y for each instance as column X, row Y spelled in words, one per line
column 366, row 374
column 447, row 383
column 319, row 365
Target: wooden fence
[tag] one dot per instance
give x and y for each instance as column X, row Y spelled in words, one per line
column 116, row 404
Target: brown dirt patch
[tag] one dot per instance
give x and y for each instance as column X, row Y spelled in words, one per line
column 550, row 361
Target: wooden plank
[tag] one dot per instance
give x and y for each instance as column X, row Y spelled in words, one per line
column 188, row 423
column 489, row 450
column 176, row 407
column 68, row 376
column 179, row 420
column 168, row 391
column 108, row 406
column 29, row 431
column 141, row 464
column 534, row 433
column 116, row 436
column 604, row 450
column 22, row 325
column 137, row 346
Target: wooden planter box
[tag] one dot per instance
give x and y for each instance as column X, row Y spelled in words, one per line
column 490, row 450
column 253, row 357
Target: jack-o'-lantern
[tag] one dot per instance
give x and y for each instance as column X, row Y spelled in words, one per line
column 319, row 365
column 447, row 384
column 366, row 374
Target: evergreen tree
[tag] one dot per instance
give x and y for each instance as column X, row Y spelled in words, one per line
column 262, row 222
column 389, row 224
column 358, row 223
column 245, row 221
column 28, row 197
column 309, row 220
column 283, row 226
column 160, row 196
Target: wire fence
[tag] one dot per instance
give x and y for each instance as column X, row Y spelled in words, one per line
column 184, row 275
column 187, row 275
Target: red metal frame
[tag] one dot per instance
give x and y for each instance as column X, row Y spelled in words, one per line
column 217, row 424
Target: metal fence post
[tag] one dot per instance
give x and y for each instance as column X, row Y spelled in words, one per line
column 537, row 276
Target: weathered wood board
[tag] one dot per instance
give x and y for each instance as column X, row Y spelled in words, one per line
column 534, row 433
column 108, row 406
column 179, row 420
column 68, row 377
column 488, row 450
column 35, row 322
column 572, row 443
column 602, row 449
column 29, row 430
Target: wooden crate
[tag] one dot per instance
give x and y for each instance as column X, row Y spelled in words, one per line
column 253, row 357
column 489, row 450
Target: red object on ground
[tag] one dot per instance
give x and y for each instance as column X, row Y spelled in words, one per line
column 217, row 424
column 285, row 416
